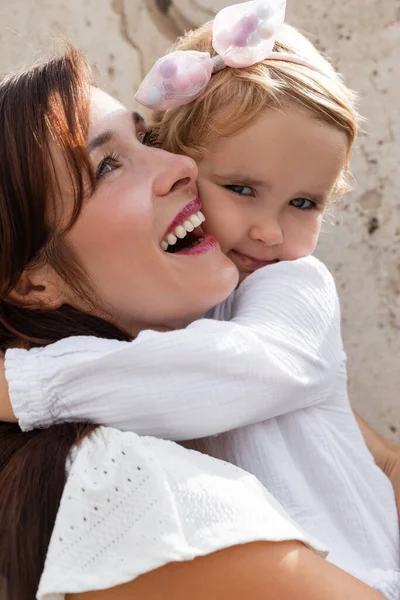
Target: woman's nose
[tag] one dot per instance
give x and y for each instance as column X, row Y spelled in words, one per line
column 173, row 172
column 269, row 233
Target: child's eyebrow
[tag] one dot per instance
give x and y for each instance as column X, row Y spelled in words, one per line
column 238, row 179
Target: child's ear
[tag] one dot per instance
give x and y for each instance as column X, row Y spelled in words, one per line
column 38, row 287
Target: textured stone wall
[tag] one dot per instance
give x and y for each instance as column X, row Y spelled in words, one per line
column 361, row 240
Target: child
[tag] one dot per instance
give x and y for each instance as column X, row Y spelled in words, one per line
column 266, row 380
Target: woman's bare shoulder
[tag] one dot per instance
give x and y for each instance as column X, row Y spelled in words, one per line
column 261, row 571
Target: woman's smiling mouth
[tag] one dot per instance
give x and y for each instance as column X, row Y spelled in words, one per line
column 185, row 235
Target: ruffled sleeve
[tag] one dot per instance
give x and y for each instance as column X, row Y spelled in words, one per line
column 133, row 504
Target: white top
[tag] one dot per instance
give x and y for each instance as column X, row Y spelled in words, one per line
column 132, row 504
column 272, row 376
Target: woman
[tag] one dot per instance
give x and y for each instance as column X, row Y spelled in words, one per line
column 118, row 516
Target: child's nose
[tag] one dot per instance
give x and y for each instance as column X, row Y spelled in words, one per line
column 269, row 233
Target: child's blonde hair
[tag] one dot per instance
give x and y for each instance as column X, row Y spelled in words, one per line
column 234, row 97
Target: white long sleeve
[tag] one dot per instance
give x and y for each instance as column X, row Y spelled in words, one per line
column 277, row 350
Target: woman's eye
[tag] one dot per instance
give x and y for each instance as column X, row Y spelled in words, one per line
column 302, row 203
column 107, row 165
column 242, row 190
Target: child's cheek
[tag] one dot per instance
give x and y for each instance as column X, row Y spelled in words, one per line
column 222, row 218
column 225, row 227
column 302, row 240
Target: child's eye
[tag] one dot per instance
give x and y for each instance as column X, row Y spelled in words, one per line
column 107, row 165
column 302, row 203
column 242, row 190
column 149, row 138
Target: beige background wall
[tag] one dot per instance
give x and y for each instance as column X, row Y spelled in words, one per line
column 361, row 242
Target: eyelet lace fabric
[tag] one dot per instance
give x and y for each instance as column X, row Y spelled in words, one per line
column 132, row 504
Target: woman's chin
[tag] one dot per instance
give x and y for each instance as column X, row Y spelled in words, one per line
column 182, row 291
column 222, row 279
column 210, row 280
column 229, row 278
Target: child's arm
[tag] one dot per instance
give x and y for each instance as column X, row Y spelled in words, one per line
column 280, row 352
column 385, row 453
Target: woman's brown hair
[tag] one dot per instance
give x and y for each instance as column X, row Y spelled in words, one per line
column 41, row 107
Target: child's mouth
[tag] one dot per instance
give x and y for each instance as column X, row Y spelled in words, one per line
column 249, row 262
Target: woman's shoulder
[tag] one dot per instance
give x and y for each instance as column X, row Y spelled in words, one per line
column 132, row 504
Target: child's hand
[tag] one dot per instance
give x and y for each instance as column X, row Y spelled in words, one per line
column 6, row 411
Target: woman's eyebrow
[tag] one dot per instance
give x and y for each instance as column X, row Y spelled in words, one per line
column 100, row 140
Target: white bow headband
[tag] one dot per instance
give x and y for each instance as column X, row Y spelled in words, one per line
column 243, row 35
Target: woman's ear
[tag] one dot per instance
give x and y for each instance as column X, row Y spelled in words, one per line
column 39, row 287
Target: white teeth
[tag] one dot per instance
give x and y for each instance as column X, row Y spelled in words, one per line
column 188, row 226
column 180, row 232
column 171, row 239
column 195, row 221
